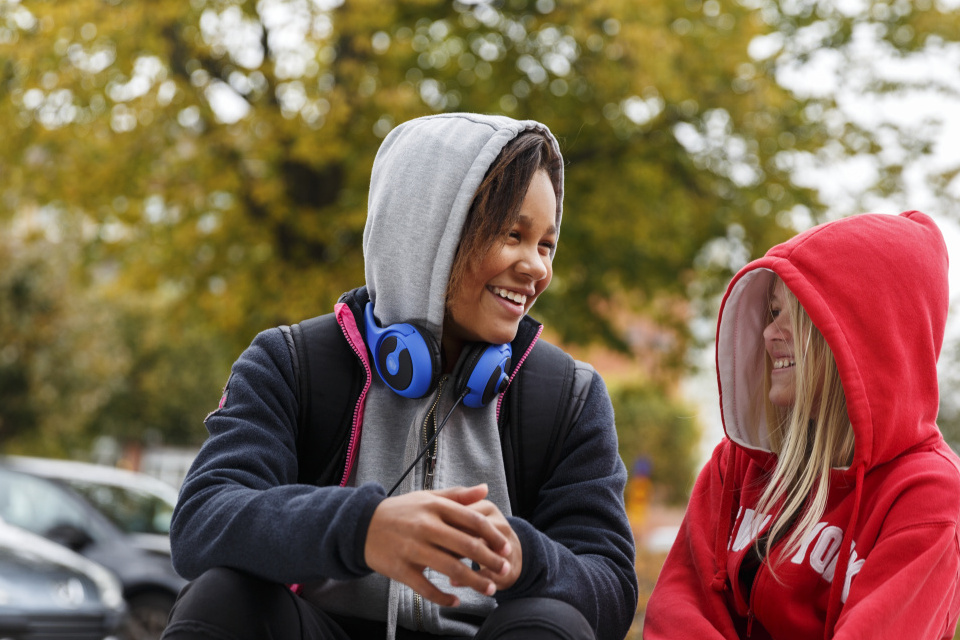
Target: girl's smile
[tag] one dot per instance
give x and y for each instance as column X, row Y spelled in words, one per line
column 778, row 340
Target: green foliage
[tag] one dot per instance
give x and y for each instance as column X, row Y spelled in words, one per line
column 258, row 219
column 169, row 383
column 75, row 363
column 949, row 417
column 657, row 430
column 58, row 359
column 212, row 159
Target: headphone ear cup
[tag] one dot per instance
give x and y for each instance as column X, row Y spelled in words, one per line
column 426, row 360
column 485, row 373
column 406, row 357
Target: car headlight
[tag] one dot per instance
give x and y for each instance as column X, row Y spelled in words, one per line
column 111, row 592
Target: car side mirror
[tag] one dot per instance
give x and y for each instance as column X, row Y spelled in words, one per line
column 69, row 535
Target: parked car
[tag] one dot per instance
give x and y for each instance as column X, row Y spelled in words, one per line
column 139, row 505
column 48, row 592
column 55, row 510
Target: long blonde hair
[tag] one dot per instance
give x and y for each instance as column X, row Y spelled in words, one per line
column 810, row 438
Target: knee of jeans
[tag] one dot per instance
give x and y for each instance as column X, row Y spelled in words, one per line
column 223, row 594
column 549, row 617
column 568, row 616
column 227, row 582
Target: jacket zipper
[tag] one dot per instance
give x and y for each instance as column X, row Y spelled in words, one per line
column 418, row 608
column 430, row 462
column 516, row 369
column 355, row 425
column 429, row 467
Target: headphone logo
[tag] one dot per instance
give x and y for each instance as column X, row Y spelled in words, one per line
column 403, row 356
column 407, row 358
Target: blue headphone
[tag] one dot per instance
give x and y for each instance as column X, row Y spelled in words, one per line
column 407, row 358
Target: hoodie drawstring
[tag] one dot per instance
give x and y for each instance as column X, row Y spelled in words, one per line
column 719, row 582
column 834, row 603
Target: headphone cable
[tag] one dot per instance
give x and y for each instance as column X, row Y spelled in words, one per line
column 430, row 442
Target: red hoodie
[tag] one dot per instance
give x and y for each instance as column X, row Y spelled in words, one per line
column 884, row 561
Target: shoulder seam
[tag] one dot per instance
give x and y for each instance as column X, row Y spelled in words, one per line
column 937, row 524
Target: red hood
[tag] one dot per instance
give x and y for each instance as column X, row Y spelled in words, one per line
column 876, row 287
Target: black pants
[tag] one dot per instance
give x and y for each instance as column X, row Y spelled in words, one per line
column 224, row 604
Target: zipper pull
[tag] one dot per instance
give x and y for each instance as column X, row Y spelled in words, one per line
column 428, row 476
column 749, row 622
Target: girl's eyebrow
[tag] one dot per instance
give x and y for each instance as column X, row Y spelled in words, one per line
column 527, row 222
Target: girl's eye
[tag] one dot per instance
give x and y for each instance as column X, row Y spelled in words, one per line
column 774, row 313
column 547, row 245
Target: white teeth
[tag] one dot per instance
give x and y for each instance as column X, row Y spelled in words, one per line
column 783, row 363
column 519, row 298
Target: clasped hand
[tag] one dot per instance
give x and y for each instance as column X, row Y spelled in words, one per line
column 437, row 529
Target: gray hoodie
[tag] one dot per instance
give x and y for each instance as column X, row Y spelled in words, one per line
column 423, row 182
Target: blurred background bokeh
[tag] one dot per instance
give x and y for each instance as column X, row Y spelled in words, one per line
column 176, row 176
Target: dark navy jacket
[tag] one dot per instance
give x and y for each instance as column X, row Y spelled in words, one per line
column 240, row 505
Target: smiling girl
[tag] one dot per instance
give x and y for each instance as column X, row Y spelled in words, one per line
column 463, row 219
column 831, row 508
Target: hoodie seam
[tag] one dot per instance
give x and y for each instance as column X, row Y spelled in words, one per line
column 813, row 233
column 953, row 465
column 463, row 116
column 935, row 524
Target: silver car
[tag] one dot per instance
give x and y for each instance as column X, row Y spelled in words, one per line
column 49, row 592
column 70, row 514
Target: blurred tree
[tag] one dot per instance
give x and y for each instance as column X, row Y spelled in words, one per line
column 77, row 361
column 170, row 380
column 949, row 418
column 220, row 151
column 662, row 434
column 58, row 357
column 213, row 155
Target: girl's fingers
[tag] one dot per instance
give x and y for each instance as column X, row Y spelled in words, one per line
column 478, row 526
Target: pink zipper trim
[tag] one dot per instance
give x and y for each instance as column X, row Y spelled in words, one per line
column 516, row 369
column 348, row 324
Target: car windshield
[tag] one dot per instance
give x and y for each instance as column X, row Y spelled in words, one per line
column 132, row 510
column 38, row 506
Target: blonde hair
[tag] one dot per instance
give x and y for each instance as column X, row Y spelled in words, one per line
column 810, row 438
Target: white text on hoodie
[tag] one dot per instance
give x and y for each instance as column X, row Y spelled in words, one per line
column 823, row 543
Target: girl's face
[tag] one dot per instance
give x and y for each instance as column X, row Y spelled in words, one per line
column 778, row 340
column 496, row 293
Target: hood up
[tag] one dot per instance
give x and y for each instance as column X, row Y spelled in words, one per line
column 876, row 287
column 423, row 182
